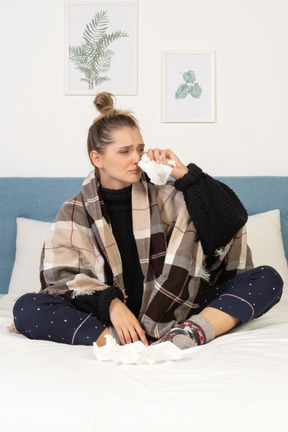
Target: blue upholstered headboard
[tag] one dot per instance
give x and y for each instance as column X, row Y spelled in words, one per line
column 40, row 199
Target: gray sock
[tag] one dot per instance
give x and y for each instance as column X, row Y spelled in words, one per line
column 197, row 330
column 183, row 341
column 205, row 326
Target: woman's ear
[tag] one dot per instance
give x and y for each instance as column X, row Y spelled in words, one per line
column 96, row 159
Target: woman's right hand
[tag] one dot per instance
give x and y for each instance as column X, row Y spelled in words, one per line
column 162, row 156
column 125, row 323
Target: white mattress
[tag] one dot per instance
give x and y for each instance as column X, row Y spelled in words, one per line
column 238, row 382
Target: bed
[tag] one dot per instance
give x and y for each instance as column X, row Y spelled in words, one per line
column 238, row 382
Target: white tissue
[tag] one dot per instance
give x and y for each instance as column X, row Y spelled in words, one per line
column 136, row 353
column 158, row 173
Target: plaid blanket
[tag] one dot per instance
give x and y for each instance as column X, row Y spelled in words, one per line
column 80, row 254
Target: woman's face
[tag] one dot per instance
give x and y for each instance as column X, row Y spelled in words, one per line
column 118, row 166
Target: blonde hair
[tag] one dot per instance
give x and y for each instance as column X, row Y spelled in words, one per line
column 110, row 119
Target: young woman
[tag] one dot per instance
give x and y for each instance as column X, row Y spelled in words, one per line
column 141, row 261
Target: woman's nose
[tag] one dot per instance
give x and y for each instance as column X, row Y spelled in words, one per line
column 136, row 157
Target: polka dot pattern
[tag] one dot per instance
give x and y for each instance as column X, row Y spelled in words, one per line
column 248, row 295
column 49, row 317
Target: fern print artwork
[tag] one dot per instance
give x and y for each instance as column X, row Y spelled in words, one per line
column 93, row 57
column 189, row 87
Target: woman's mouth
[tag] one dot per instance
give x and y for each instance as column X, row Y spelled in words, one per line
column 135, row 171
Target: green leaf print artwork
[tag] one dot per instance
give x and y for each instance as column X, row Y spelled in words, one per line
column 93, row 58
column 188, row 87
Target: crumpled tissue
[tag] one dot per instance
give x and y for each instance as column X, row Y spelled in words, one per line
column 136, row 353
column 157, row 172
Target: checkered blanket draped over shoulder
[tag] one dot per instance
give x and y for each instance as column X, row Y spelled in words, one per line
column 80, row 252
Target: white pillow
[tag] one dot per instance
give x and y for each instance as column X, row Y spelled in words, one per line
column 264, row 239
column 31, row 235
column 266, row 243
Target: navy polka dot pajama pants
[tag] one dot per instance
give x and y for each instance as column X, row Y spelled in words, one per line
column 247, row 295
column 48, row 317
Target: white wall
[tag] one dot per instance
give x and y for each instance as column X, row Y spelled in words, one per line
column 43, row 132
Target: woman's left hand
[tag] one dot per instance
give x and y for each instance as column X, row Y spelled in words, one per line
column 162, row 156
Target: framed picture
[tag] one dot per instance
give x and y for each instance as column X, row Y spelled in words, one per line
column 101, row 47
column 188, row 86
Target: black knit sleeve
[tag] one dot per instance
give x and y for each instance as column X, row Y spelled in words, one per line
column 98, row 303
column 214, row 208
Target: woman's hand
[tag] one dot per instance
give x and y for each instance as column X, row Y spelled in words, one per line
column 125, row 323
column 162, row 156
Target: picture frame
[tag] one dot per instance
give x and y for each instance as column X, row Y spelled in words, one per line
column 188, row 86
column 101, row 40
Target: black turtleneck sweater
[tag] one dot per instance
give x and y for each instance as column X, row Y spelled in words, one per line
column 119, row 208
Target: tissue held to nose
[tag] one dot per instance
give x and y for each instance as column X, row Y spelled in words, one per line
column 158, row 173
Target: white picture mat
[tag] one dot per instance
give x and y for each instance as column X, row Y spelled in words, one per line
column 189, row 109
column 123, row 73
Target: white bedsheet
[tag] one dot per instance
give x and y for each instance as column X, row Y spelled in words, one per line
column 238, row 382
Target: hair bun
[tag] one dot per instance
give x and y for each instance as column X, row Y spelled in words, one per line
column 104, row 103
